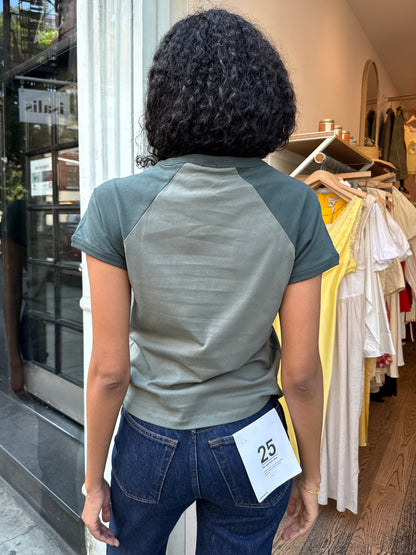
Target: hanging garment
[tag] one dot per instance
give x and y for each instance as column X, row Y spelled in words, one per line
column 399, row 238
column 342, row 232
column 340, row 439
column 410, row 268
column 339, row 450
column 378, row 339
column 369, row 366
column 410, row 140
column 331, row 206
column 386, row 132
column 392, row 279
column 397, row 155
column 394, row 312
column 405, row 299
column 404, row 212
column 393, row 299
column 384, row 248
column 411, row 316
column 410, row 276
column 394, row 283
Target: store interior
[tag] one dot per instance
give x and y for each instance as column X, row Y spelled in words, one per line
column 352, row 62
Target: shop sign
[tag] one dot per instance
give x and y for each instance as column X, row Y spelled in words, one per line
column 41, row 177
column 45, row 107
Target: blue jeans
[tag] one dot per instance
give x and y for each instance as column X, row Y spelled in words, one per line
column 158, row 473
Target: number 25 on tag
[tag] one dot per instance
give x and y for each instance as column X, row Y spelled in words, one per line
column 267, row 451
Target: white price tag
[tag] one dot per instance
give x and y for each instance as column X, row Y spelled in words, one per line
column 267, row 454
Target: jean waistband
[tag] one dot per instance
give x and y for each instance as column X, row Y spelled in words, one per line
column 273, row 402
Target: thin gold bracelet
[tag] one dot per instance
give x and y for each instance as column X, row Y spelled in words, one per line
column 313, row 492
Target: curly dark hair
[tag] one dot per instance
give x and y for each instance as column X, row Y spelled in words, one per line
column 217, row 86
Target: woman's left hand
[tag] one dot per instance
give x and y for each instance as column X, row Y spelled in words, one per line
column 303, row 508
column 95, row 503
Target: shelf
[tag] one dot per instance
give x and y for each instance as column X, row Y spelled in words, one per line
column 298, row 157
column 381, row 167
column 308, row 145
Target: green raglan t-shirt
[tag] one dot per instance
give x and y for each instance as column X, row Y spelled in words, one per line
column 210, row 245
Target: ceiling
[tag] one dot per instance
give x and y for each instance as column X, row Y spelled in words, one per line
column 390, row 25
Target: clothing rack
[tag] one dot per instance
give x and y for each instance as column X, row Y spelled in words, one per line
column 399, row 98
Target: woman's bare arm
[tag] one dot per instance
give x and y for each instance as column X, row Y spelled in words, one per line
column 303, row 390
column 108, row 379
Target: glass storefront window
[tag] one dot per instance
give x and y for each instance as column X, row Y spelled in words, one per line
column 41, row 236
column 40, row 182
column 38, row 135
column 68, row 295
column 40, row 179
column 68, row 222
column 41, row 289
column 68, row 177
column 31, row 27
column 67, row 123
column 71, row 355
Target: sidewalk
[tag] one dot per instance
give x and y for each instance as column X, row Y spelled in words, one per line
column 23, row 531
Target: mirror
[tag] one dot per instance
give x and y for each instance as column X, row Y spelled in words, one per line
column 369, row 103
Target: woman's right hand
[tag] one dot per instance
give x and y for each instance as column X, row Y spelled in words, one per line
column 96, row 503
column 303, row 507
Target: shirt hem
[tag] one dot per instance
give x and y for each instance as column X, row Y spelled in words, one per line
column 316, row 270
column 202, row 421
column 95, row 253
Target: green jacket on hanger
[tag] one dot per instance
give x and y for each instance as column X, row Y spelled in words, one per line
column 386, row 132
column 398, row 155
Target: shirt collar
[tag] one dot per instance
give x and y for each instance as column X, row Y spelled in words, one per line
column 213, row 161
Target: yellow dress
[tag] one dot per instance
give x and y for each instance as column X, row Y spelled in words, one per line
column 370, row 365
column 410, row 140
column 342, row 233
column 331, row 206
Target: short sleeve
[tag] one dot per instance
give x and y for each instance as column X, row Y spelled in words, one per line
column 314, row 250
column 99, row 231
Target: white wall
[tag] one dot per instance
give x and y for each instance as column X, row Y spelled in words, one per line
column 116, row 41
column 325, row 50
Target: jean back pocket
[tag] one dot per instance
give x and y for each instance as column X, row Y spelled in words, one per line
column 232, row 469
column 141, row 460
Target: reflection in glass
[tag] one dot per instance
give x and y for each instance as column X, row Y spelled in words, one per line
column 38, row 341
column 68, row 222
column 71, row 355
column 68, row 177
column 41, row 237
column 40, row 179
column 38, row 135
column 69, row 294
column 67, row 121
column 50, row 358
column 41, row 294
column 33, row 27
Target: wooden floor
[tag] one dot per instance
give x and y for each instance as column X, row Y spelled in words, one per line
column 386, row 519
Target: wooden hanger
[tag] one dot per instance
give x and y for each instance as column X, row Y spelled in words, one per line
column 411, row 121
column 328, row 180
column 385, row 177
column 353, row 175
column 355, row 192
column 382, row 186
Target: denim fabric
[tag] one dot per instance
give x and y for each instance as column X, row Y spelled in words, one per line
column 158, row 472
